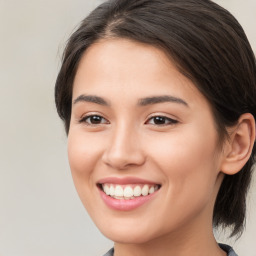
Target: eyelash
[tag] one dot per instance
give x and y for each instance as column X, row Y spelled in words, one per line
column 165, row 120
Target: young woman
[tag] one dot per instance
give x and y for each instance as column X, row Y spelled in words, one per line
column 158, row 98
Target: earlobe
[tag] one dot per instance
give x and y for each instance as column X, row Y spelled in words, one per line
column 238, row 148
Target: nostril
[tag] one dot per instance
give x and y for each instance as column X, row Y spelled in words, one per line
column 123, row 150
column 121, row 160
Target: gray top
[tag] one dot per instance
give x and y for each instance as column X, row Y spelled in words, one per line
column 110, row 252
column 226, row 248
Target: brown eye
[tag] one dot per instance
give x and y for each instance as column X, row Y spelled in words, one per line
column 161, row 120
column 93, row 120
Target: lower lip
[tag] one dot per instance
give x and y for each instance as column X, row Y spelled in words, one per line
column 123, row 204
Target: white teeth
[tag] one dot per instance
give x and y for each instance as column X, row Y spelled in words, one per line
column 112, row 190
column 151, row 190
column 119, row 191
column 106, row 190
column 137, row 191
column 144, row 190
column 128, row 191
column 118, row 197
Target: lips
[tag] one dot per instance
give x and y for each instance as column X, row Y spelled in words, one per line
column 126, row 193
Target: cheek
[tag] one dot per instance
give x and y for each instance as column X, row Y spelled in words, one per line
column 83, row 152
column 183, row 151
column 83, row 155
column 188, row 163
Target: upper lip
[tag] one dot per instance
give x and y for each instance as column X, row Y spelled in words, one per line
column 125, row 180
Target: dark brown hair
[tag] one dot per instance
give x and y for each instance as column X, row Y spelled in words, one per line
column 207, row 44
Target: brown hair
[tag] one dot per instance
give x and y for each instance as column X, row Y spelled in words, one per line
column 208, row 46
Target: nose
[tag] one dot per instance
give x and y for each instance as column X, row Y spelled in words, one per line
column 124, row 150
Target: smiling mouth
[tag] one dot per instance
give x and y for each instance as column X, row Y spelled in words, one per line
column 129, row 191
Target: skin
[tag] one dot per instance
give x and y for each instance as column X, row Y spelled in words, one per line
column 182, row 155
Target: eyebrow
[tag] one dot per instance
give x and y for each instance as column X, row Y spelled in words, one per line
column 161, row 99
column 141, row 102
column 91, row 98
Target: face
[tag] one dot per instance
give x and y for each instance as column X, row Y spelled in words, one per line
column 142, row 144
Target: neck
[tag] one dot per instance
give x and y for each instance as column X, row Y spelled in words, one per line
column 169, row 248
column 175, row 244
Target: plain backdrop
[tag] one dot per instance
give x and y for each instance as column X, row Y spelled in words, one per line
column 40, row 213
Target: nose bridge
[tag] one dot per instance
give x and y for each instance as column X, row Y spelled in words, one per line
column 124, row 148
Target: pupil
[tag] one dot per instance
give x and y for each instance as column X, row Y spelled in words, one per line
column 159, row 120
column 96, row 119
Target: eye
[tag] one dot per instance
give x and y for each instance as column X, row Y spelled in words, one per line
column 93, row 120
column 161, row 120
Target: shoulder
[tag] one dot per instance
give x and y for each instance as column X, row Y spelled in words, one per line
column 228, row 249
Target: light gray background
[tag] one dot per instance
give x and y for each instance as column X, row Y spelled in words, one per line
column 40, row 213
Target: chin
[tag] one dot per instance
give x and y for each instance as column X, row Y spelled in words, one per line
column 125, row 237
column 126, row 233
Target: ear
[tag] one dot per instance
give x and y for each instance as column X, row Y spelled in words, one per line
column 238, row 148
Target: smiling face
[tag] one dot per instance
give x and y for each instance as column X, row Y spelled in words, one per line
column 145, row 135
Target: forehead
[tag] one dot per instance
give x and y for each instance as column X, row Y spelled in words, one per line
column 128, row 67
